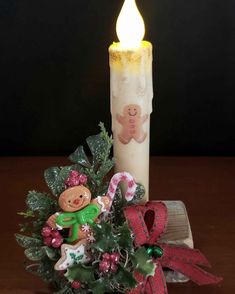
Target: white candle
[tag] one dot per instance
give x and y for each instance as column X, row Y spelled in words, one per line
column 131, row 95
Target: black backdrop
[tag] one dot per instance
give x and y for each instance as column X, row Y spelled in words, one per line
column 55, row 74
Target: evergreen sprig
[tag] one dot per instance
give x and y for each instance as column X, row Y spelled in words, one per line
column 111, row 235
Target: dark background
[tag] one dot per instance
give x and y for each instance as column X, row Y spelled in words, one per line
column 55, row 75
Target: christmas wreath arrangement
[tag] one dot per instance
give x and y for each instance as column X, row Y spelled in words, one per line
column 85, row 237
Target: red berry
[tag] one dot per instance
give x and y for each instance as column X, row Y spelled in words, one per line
column 56, row 242
column 74, row 174
column 47, row 241
column 71, row 182
column 113, row 267
column 76, row 285
column 83, row 179
column 55, row 234
column 115, row 257
column 106, row 256
column 104, row 266
column 73, row 179
column 46, row 231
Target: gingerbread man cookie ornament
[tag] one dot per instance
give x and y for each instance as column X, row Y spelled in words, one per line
column 132, row 124
column 71, row 200
column 77, row 209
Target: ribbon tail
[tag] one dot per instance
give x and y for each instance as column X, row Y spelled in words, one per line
column 157, row 283
column 183, row 254
column 193, row 272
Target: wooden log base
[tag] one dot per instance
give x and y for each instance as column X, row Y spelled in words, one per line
column 178, row 232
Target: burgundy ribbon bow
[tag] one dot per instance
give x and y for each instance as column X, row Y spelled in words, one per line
column 148, row 222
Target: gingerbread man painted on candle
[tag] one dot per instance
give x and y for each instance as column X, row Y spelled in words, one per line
column 132, row 124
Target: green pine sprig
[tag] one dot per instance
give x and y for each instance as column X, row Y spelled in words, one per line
column 111, row 236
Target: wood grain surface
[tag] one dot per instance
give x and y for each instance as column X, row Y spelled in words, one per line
column 205, row 184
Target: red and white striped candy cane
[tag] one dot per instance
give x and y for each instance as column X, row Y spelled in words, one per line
column 116, row 179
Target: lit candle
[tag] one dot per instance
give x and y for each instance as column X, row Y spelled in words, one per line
column 131, row 95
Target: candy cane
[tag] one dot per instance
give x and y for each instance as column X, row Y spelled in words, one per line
column 116, row 179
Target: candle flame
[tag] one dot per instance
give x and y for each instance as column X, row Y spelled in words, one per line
column 130, row 25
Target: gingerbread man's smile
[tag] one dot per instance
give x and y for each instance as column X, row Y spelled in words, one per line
column 132, row 114
column 76, row 203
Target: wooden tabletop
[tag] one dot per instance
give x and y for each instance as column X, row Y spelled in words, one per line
column 205, row 184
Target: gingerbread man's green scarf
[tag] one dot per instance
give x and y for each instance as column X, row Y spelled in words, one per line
column 75, row 219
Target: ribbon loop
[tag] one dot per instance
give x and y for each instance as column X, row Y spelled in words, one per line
column 148, row 223
column 159, row 222
column 66, row 219
column 135, row 219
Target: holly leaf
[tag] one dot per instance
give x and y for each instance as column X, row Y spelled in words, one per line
column 143, row 263
column 117, row 200
column 51, row 253
column 105, row 167
column 98, row 147
column 103, row 170
column 79, row 157
column 80, row 272
column 55, row 177
column 37, row 201
column 125, row 278
column 53, row 180
column 117, row 208
column 26, row 242
column 105, row 240
column 139, row 194
column 34, row 253
column 103, row 188
column 100, row 286
column 124, row 237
